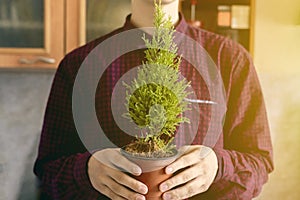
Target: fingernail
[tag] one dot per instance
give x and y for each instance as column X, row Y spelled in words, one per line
column 143, row 189
column 137, row 171
column 163, row 187
column 140, row 198
column 169, row 170
column 166, row 196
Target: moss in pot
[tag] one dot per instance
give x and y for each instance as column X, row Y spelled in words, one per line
column 155, row 102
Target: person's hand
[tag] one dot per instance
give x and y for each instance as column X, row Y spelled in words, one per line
column 199, row 167
column 106, row 176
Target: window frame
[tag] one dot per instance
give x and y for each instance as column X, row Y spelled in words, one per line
column 53, row 41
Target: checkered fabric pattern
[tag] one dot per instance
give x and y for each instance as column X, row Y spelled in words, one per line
column 244, row 148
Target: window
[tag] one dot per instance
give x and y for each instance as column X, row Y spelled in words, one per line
column 93, row 18
column 38, row 33
column 31, row 33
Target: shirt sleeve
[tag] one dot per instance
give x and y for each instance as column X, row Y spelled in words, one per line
column 246, row 158
column 62, row 158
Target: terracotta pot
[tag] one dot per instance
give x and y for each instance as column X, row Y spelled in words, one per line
column 153, row 172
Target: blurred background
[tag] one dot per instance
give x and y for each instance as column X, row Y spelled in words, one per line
column 36, row 34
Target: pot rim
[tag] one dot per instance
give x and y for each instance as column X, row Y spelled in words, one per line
column 175, row 154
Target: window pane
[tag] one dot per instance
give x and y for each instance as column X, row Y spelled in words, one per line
column 22, row 23
column 104, row 16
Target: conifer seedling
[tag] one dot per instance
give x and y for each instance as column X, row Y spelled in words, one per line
column 155, row 98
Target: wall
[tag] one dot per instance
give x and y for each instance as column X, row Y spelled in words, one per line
column 23, row 96
column 277, row 57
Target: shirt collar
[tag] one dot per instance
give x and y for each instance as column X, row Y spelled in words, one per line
column 181, row 26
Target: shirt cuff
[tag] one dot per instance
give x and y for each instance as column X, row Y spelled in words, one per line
column 225, row 167
column 80, row 169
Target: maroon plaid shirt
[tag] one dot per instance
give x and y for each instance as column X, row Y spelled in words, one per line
column 244, row 148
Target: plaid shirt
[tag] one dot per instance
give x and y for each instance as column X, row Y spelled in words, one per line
column 244, row 148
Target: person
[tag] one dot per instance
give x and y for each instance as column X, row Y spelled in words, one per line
column 236, row 167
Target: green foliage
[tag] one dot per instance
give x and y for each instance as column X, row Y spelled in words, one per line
column 155, row 98
column 161, row 49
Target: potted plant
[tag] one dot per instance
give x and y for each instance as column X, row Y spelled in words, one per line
column 155, row 102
